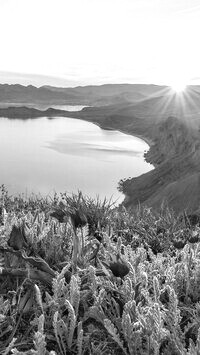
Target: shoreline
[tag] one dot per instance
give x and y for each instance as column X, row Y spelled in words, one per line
column 148, row 141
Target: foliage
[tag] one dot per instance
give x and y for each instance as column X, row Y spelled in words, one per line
column 59, row 291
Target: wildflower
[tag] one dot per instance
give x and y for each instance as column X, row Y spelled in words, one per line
column 180, row 238
column 194, row 219
column 78, row 218
column 118, row 267
column 155, row 245
column 58, row 214
column 194, row 238
column 17, row 238
column 179, row 243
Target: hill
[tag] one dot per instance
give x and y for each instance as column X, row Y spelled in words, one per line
column 81, row 95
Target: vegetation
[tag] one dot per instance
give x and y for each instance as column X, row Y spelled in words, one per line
column 79, row 276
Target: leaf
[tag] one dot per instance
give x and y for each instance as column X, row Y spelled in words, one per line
column 113, row 331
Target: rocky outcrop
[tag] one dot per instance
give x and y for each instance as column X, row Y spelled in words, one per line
column 175, row 179
column 173, row 138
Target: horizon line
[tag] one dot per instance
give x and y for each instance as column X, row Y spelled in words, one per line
column 42, row 80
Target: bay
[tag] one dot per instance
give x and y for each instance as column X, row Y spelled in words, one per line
column 66, row 155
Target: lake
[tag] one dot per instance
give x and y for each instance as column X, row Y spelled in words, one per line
column 63, row 154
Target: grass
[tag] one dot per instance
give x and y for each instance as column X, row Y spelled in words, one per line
column 59, row 293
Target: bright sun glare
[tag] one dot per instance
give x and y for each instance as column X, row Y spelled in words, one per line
column 178, row 86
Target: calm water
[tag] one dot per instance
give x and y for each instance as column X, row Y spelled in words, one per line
column 63, row 154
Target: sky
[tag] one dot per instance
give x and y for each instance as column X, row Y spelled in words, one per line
column 80, row 42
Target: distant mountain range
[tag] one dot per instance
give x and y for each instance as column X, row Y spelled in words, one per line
column 81, row 95
column 169, row 122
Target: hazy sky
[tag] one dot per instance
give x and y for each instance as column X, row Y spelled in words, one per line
column 97, row 41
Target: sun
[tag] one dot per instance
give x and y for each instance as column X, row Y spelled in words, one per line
column 178, row 86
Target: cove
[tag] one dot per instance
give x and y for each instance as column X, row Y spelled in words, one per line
column 66, row 155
